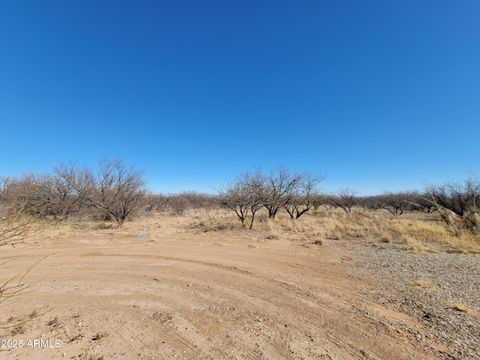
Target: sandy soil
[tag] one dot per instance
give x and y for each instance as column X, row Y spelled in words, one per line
column 173, row 293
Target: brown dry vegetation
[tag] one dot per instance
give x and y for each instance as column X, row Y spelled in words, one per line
column 414, row 231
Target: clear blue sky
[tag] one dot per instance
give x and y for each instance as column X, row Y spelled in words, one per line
column 375, row 95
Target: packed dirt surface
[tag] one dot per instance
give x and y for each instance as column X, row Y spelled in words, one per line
column 165, row 291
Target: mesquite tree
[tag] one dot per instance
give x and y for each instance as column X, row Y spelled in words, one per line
column 116, row 190
column 460, row 199
column 304, row 195
column 344, row 199
column 278, row 189
column 244, row 197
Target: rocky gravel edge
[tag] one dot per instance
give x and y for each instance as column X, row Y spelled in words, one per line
column 442, row 290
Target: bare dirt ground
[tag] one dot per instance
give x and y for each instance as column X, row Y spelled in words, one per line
column 159, row 290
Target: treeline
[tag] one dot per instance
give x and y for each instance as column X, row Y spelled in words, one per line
column 177, row 204
column 117, row 191
column 298, row 193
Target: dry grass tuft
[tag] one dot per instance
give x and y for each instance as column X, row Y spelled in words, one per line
column 425, row 284
column 17, row 330
column 464, row 309
column 213, row 221
column 54, row 323
column 104, row 226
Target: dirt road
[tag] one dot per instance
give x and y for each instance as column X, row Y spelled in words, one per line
column 170, row 293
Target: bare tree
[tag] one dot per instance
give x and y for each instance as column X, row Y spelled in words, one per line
column 395, row 203
column 116, row 190
column 304, row 195
column 369, row 202
column 178, row 204
column 458, row 199
column 319, row 200
column 244, row 197
column 67, row 201
column 278, row 189
column 345, row 199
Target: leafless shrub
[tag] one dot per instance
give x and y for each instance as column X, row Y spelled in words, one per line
column 344, row 199
column 116, row 190
column 41, row 196
column 278, row 189
column 369, row 202
column 396, row 203
column 178, row 203
column 244, row 197
column 304, row 195
column 13, row 226
column 328, row 201
column 319, row 200
column 458, row 200
column 200, row 201
column 156, row 202
column 30, row 194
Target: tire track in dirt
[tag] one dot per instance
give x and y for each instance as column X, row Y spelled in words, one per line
column 252, row 355
column 276, row 296
column 243, row 288
column 305, row 314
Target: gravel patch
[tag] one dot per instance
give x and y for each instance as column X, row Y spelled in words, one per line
column 442, row 290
